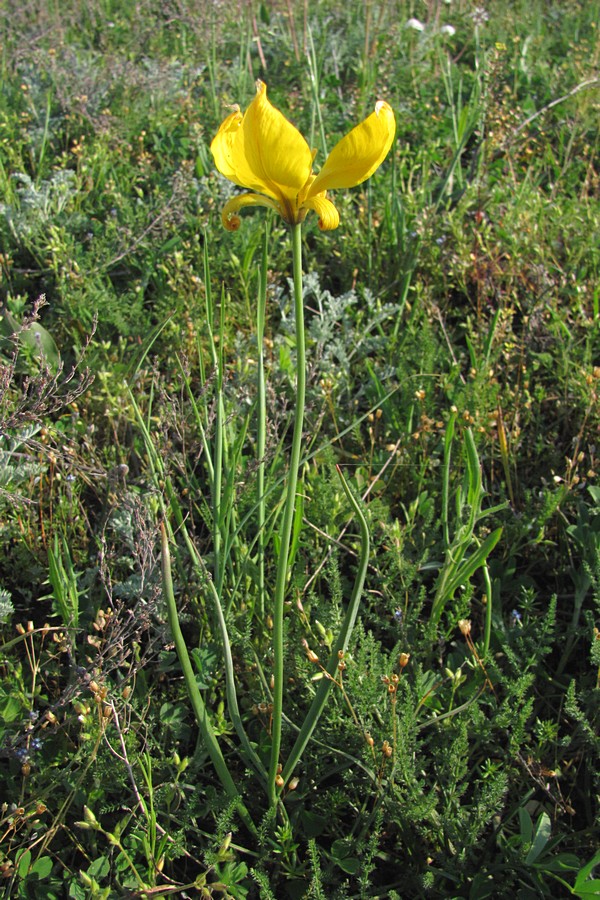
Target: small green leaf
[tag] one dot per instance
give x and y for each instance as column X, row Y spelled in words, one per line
column 583, row 886
column 340, row 851
column 543, row 831
column 41, row 868
column 313, row 823
column 526, row 827
column 23, row 863
column 10, row 709
column 590, row 890
column 99, row 868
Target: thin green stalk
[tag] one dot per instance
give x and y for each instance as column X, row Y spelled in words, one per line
column 209, row 303
column 446, row 478
column 369, row 236
column 44, row 143
column 218, row 473
column 204, row 724
column 261, row 424
column 288, row 514
column 487, row 632
column 198, row 421
column 313, row 71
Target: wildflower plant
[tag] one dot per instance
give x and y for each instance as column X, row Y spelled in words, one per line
column 264, row 153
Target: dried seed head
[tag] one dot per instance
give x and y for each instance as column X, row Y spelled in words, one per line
column 386, row 748
column 465, row 626
column 403, row 660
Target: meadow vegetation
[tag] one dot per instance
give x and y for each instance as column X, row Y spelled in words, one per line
column 449, row 484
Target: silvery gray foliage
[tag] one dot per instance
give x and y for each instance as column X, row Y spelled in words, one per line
column 6, row 606
column 341, row 329
column 37, row 205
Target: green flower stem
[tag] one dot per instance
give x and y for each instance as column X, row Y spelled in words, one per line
column 288, row 513
column 261, row 424
column 217, row 497
column 216, row 466
column 204, row 724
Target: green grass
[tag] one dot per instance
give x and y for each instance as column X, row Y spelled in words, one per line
column 449, row 457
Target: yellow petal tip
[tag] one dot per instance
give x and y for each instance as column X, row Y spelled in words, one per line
column 382, row 104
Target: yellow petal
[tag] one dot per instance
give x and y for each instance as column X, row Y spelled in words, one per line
column 359, row 153
column 329, row 217
column 275, row 151
column 227, row 148
column 231, row 221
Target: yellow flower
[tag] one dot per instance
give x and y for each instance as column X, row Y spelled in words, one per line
column 263, row 152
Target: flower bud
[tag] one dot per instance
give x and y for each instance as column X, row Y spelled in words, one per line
column 89, row 818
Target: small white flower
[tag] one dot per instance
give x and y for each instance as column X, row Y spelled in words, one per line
column 479, row 15
column 448, row 29
column 415, row 24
